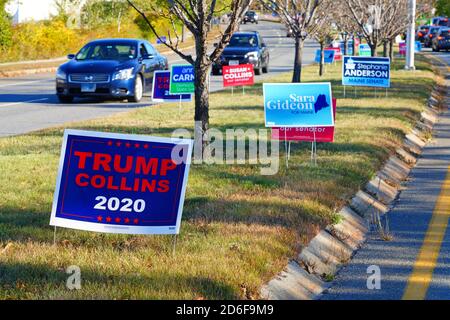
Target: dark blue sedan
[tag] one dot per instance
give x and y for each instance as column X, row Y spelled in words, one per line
column 109, row 68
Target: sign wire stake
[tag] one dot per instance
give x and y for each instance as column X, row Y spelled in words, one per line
column 179, row 105
column 232, row 91
column 174, row 245
column 289, row 151
column 54, row 237
column 243, row 90
column 286, row 147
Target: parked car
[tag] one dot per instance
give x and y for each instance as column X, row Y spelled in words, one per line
column 421, row 32
column 109, row 68
column 244, row 47
column 441, row 22
column 442, row 40
column 250, row 16
column 430, row 35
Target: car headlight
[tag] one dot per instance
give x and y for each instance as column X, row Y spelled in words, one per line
column 124, row 74
column 252, row 55
column 60, row 74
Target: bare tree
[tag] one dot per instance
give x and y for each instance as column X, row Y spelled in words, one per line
column 298, row 16
column 196, row 16
column 323, row 29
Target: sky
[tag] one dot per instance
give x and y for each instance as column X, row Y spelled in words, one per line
column 32, row 9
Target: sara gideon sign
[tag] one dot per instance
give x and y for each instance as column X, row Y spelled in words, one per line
column 366, row 72
column 298, row 104
column 121, row 183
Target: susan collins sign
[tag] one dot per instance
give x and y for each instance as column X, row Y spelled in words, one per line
column 298, row 105
column 366, row 72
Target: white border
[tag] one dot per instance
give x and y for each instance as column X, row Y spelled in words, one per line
column 297, row 125
column 363, row 57
column 98, row 227
column 164, row 100
column 171, row 72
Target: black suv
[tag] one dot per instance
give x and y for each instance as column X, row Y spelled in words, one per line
column 244, row 47
column 250, row 16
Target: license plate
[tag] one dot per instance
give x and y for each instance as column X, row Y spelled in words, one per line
column 233, row 63
column 88, row 87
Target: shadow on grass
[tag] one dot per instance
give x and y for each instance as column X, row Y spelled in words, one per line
column 19, row 280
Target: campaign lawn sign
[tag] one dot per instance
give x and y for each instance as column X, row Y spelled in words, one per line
column 160, row 89
column 364, row 50
column 182, row 79
column 298, row 104
column 349, row 47
column 328, row 56
column 120, row 183
column 317, row 134
column 402, row 48
column 239, row 75
column 366, row 71
column 337, row 53
column 417, row 46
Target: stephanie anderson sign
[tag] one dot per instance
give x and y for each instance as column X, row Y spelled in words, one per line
column 298, row 104
column 121, row 183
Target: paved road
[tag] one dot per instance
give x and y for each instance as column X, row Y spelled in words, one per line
column 29, row 103
column 415, row 265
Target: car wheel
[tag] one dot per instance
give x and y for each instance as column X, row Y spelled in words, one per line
column 265, row 69
column 138, row 89
column 257, row 71
column 65, row 99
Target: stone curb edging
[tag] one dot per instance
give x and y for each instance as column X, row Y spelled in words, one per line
column 304, row 278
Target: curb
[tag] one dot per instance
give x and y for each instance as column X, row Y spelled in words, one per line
column 305, row 278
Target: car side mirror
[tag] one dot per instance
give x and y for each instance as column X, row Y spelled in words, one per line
column 147, row 56
column 70, row 56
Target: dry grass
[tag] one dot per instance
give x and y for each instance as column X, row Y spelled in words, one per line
column 239, row 228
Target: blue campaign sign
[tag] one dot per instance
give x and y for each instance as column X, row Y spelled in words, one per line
column 366, row 72
column 298, row 104
column 328, row 56
column 161, row 40
column 349, row 47
column 160, row 89
column 417, row 46
column 121, row 183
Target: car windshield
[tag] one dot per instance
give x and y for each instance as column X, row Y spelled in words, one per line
column 442, row 22
column 107, row 51
column 434, row 30
column 250, row 13
column 243, row 41
column 424, row 28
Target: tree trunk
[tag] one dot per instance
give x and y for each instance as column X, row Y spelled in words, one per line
column 354, row 46
column 391, row 49
column 373, row 49
column 385, row 48
column 297, row 75
column 322, row 58
column 345, row 45
column 201, row 93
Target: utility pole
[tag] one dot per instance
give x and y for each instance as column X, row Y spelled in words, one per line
column 411, row 37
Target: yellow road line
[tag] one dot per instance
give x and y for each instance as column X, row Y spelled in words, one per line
column 420, row 279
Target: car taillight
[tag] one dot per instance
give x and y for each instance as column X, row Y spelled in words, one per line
column 440, row 38
column 420, row 34
column 431, row 36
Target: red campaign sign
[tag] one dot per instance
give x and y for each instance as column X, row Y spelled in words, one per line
column 322, row 134
column 337, row 54
column 402, row 48
column 239, row 75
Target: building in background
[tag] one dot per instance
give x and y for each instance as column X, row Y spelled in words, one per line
column 30, row 10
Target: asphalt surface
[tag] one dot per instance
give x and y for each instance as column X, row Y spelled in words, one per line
column 410, row 222
column 29, row 103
